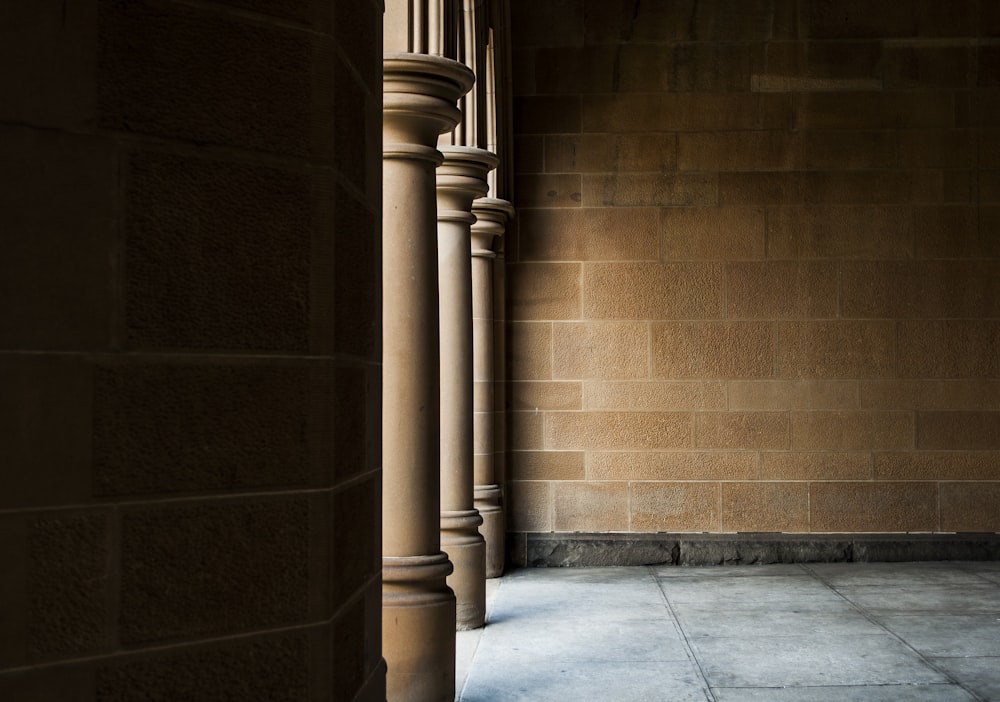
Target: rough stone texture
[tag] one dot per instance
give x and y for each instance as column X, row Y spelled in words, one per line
column 169, row 70
column 180, row 565
column 272, row 669
column 211, row 427
column 217, row 254
column 67, row 585
column 586, row 550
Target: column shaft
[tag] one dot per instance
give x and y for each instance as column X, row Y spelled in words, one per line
column 491, row 216
column 460, row 179
column 418, row 608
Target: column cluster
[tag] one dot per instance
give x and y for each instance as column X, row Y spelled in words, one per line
column 442, row 501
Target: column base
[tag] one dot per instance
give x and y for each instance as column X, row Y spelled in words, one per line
column 488, row 504
column 461, row 540
column 418, row 629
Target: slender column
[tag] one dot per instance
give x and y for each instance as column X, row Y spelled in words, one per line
column 418, row 608
column 460, row 180
column 491, row 219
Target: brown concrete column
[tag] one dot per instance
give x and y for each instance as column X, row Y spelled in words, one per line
column 491, row 219
column 418, row 608
column 461, row 178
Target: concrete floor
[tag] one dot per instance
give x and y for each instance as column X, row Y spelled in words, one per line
column 871, row 632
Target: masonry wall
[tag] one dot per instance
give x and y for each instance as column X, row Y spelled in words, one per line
column 189, row 350
column 755, row 280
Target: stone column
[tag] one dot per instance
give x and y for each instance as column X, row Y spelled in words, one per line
column 418, row 608
column 491, row 219
column 461, row 178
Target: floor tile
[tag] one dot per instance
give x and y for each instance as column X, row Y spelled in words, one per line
column 833, row 619
column 845, row 693
column 915, row 598
column 952, row 636
column 542, row 681
column 802, row 660
column 981, row 674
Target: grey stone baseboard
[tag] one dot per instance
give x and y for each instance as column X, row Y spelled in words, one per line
column 553, row 550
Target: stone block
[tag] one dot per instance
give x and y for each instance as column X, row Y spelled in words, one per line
column 588, row 506
column 749, row 20
column 930, row 394
column 591, row 550
column 569, row 431
column 845, row 431
column 873, row 507
column 765, row 507
column 356, row 405
column 213, row 569
column 792, row 394
column 836, row 349
column 650, row 190
column 844, row 231
column 921, row 66
column 274, row 668
column 68, row 583
column 958, row 430
column 556, row 23
column 530, row 349
column 356, row 551
column 529, row 507
column 688, row 112
column 170, row 71
column 710, row 68
column 873, row 187
column 589, row 234
column 354, row 25
column 57, row 214
column 610, row 153
column 739, row 151
column 937, row 148
column 724, row 233
column 672, row 465
column 199, row 238
column 599, row 350
column 923, row 289
column 356, row 280
column 530, row 153
column 953, row 231
column 837, row 19
column 48, row 44
column 547, row 114
column 782, row 289
column 46, row 409
column 869, row 110
column 549, row 190
column 654, row 395
column 821, row 65
column 645, row 68
column 938, row 465
column 525, row 431
column 950, row 348
column 838, row 149
column 741, row 430
column 689, row 290
column 970, row 507
column 545, row 395
column 679, row 350
column 815, row 465
column 212, row 427
column 575, row 69
column 758, row 188
column 664, row 506
column 540, row 291
column 546, row 465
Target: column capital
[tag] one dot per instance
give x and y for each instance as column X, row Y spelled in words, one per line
column 461, row 177
column 419, row 96
column 492, row 215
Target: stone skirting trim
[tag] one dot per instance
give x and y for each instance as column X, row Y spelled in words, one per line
column 573, row 549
